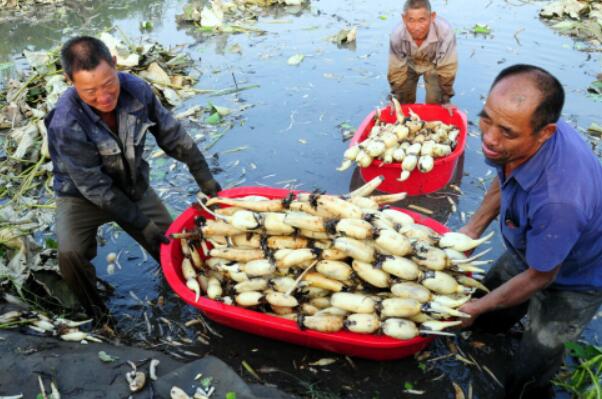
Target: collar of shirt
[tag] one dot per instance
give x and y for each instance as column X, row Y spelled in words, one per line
column 527, row 174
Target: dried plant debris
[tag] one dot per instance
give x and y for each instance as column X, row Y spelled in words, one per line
column 345, row 36
column 595, row 89
column 234, row 16
column 25, row 5
column 582, row 19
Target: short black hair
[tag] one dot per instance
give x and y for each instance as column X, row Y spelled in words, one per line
column 415, row 4
column 84, row 53
column 552, row 93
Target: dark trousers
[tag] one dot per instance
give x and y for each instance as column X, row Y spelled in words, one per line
column 555, row 316
column 77, row 222
column 406, row 94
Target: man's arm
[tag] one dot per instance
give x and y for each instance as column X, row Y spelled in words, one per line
column 447, row 67
column 84, row 166
column 397, row 72
column 513, row 292
column 173, row 139
column 489, row 209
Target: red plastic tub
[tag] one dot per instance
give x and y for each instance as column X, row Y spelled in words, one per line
column 376, row 347
column 418, row 183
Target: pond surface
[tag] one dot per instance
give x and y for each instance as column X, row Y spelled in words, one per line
column 286, row 134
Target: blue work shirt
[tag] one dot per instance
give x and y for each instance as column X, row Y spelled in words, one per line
column 551, row 210
column 107, row 168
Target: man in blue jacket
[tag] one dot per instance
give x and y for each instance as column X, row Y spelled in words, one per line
column 548, row 196
column 96, row 137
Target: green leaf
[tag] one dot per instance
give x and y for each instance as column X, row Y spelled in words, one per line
column 408, row 385
column 595, row 129
column 213, row 119
column 383, row 17
column 206, row 382
column 230, row 395
column 346, row 126
column 296, row 59
column 51, row 243
column 39, row 396
column 222, row 111
column 422, row 366
column 146, row 25
column 205, row 28
column 106, row 358
column 596, row 87
column 481, row 28
column 582, row 351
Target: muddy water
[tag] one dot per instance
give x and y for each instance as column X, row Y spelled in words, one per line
column 291, row 136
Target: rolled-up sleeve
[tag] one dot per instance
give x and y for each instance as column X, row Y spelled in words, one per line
column 446, row 66
column 555, row 229
column 173, row 139
column 83, row 163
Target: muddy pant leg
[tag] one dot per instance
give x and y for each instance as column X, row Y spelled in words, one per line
column 80, row 275
column 406, row 93
column 555, row 317
column 77, row 222
column 433, row 89
column 507, row 266
column 152, row 206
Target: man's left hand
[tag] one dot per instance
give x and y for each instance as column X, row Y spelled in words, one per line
column 211, row 187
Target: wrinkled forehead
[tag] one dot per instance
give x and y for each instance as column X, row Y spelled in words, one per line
column 514, row 100
column 520, row 89
column 417, row 12
column 101, row 74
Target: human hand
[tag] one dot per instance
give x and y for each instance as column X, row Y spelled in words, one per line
column 210, row 187
column 153, row 235
column 470, row 232
column 471, row 308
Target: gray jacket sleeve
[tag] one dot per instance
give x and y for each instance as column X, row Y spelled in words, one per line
column 84, row 165
column 173, row 139
column 446, row 66
column 397, row 72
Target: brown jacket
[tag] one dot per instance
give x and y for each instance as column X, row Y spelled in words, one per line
column 437, row 52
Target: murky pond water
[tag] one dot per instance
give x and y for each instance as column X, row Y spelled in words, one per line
column 286, row 133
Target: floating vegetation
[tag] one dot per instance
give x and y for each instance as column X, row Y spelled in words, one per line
column 25, row 5
column 583, row 377
column 582, row 19
column 236, row 16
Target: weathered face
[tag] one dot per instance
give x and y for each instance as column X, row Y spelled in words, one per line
column 506, row 133
column 99, row 88
column 418, row 22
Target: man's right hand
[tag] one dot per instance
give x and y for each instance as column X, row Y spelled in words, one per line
column 211, row 187
column 469, row 232
column 153, row 235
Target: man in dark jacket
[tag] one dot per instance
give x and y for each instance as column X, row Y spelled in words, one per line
column 96, row 137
